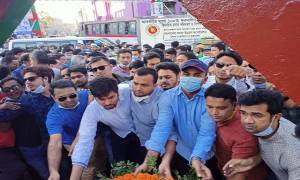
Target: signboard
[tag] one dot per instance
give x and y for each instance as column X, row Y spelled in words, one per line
column 184, row 29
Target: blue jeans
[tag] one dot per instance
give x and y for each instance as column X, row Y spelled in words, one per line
column 37, row 159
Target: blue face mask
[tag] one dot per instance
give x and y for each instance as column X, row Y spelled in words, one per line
column 40, row 89
column 268, row 131
column 135, row 58
column 260, row 86
column 190, row 84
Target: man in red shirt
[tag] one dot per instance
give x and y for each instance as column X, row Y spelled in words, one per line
column 232, row 141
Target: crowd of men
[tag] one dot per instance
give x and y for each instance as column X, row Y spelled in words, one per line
column 71, row 113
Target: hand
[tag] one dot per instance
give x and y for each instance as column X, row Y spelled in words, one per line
column 54, row 175
column 235, row 166
column 142, row 168
column 9, row 105
column 201, row 170
column 237, row 71
column 165, row 170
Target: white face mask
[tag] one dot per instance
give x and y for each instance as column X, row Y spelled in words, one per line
column 266, row 132
column 139, row 99
column 39, row 90
column 123, row 65
column 71, row 107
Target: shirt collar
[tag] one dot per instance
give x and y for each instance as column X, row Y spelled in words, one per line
column 180, row 91
column 154, row 94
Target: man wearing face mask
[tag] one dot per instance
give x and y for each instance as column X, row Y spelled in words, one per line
column 279, row 148
column 63, row 122
column 111, row 107
column 124, row 57
column 233, row 141
column 184, row 108
column 145, row 96
column 36, row 103
column 136, row 54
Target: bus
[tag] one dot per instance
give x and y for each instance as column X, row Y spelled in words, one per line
column 57, row 41
column 150, row 30
column 117, row 31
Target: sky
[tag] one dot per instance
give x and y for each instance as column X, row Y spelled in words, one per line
column 68, row 10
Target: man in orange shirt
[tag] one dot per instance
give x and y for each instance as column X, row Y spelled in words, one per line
column 232, row 140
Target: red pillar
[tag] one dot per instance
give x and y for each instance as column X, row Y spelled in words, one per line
column 266, row 33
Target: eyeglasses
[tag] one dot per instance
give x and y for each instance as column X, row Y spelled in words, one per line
column 11, row 88
column 32, row 78
column 221, row 65
column 100, row 68
column 63, row 98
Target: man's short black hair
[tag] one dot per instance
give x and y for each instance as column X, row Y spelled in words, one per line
column 113, row 62
column 224, row 91
column 160, row 46
column 40, row 71
column 188, row 55
column 175, row 44
column 95, row 54
column 238, row 59
column 168, row 66
column 78, row 68
column 150, row 55
column 158, row 51
column 171, row 51
column 220, row 45
column 136, row 64
column 24, row 58
column 99, row 58
column 17, row 50
column 101, row 87
column 10, row 78
column 143, row 71
column 273, row 99
column 4, row 72
column 123, row 51
column 147, row 46
column 61, row 84
column 8, row 59
column 136, row 49
column 182, row 48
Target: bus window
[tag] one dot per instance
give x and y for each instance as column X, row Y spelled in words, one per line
column 94, row 29
column 132, row 28
column 114, row 28
column 97, row 28
column 107, row 28
column 102, row 28
column 89, row 29
column 122, row 28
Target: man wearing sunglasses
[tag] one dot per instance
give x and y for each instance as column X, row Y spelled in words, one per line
column 100, row 67
column 228, row 70
column 63, row 122
column 24, row 112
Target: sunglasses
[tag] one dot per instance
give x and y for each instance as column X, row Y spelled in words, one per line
column 11, row 88
column 33, row 78
column 63, row 98
column 100, row 68
column 220, row 65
